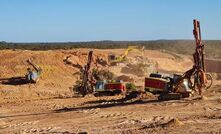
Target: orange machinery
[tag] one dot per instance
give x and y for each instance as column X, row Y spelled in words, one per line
column 195, row 78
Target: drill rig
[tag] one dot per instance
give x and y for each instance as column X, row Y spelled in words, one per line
column 197, row 76
column 90, row 82
column 180, row 86
column 87, row 81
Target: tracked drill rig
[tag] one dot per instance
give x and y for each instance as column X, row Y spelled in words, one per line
column 180, row 86
column 197, row 76
column 90, row 83
column 86, row 83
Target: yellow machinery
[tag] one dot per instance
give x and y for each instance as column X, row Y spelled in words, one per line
column 116, row 59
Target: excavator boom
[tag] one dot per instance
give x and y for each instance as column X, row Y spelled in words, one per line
column 124, row 55
column 34, row 66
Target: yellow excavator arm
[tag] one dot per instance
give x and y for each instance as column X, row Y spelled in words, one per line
column 130, row 48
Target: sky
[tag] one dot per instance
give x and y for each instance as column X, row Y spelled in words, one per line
column 118, row 20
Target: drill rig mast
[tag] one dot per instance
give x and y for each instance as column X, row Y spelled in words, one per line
column 85, row 84
column 198, row 56
column 201, row 79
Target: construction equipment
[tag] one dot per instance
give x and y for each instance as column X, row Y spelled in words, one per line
column 109, row 88
column 116, row 59
column 86, row 83
column 180, row 86
column 156, row 83
column 33, row 76
column 90, row 82
column 197, row 76
column 163, row 85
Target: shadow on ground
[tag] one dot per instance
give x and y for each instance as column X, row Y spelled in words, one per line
column 14, row 81
column 118, row 102
column 106, row 104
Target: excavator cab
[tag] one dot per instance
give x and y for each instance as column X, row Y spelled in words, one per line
column 111, row 57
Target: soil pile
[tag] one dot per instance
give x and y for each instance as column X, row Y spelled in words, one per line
column 78, row 59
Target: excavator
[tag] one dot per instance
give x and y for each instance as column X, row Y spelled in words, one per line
column 180, row 86
column 116, row 59
column 32, row 76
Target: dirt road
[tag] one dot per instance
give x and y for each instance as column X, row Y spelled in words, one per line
column 114, row 115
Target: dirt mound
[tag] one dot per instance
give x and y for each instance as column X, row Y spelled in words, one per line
column 56, row 77
column 164, row 61
column 78, row 59
column 13, row 63
column 125, row 78
column 134, row 69
column 173, row 123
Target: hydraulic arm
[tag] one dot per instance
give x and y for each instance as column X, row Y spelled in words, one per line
column 34, row 66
